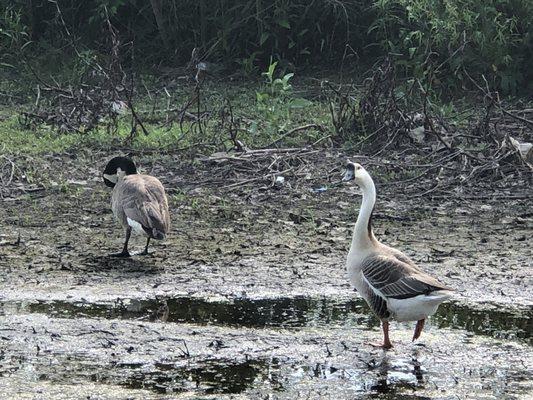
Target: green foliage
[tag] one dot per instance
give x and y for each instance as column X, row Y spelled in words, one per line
column 274, row 101
column 277, row 87
column 245, row 32
column 434, row 39
column 257, row 129
column 13, row 36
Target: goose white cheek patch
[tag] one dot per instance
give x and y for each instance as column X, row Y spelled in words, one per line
column 111, row 178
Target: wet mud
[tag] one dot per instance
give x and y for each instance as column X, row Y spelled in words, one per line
column 248, row 297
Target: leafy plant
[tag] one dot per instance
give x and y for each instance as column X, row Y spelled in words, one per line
column 13, row 36
column 277, row 87
column 437, row 41
column 275, row 101
column 430, row 40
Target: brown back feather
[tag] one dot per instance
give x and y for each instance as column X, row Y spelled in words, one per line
column 142, row 198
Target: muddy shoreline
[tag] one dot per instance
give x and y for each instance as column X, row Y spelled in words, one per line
column 248, row 296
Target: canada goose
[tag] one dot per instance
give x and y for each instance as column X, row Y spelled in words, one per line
column 138, row 201
column 390, row 282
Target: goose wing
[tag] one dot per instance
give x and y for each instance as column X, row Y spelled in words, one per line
column 396, row 279
column 144, row 201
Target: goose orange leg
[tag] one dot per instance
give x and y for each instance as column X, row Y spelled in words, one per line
column 418, row 329
column 386, row 340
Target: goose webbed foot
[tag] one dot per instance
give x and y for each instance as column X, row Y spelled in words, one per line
column 384, row 345
column 145, row 251
column 386, row 341
column 418, row 329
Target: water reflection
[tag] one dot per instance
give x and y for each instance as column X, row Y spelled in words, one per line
column 393, row 378
column 212, row 377
column 386, row 378
column 289, row 312
column 398, row 375
column 387, row 375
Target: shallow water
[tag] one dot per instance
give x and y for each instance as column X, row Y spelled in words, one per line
column 288, row 347
column 498, row 322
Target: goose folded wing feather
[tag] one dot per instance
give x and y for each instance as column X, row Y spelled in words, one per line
column 396, row 279
column 155, row 216
column 142, row 201
column 145, row 213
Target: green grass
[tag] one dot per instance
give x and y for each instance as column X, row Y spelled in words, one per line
column 15, row 139
column 44, row 139
column 259, row 125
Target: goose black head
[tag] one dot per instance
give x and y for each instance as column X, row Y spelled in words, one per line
column 115, row 166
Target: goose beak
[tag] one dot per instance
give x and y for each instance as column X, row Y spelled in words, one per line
column 348, row 175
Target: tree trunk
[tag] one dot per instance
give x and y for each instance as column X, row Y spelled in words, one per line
column 160, row 21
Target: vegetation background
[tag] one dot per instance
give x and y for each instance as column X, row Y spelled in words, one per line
column 246, row 110
column 491, row 37
column 262, row 72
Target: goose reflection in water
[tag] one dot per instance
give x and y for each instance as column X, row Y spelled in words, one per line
column 396, row 375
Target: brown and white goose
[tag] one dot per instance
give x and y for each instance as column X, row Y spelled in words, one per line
column 138, row 201
column 390, row 282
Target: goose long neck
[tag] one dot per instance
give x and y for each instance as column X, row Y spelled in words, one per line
column 363, row 235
